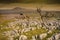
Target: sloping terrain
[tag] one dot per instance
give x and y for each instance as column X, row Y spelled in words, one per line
column 29, row 25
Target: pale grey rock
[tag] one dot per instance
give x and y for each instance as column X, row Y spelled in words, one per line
column 23, row 37
column 43, row 35
column 57, row 36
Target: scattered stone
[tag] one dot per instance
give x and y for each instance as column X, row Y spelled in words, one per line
column 23, row 37
column 43, row 35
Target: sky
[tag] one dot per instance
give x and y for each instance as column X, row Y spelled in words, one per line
column 31, row 1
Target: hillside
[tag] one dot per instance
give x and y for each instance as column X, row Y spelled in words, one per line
column 30, row 25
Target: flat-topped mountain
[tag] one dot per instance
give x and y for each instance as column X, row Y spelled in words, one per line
column 16, row 10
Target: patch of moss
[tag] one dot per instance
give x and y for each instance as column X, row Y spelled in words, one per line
column 50, row 34
column 35, row 32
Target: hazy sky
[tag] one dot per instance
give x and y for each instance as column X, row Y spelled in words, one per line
column 30, row 1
